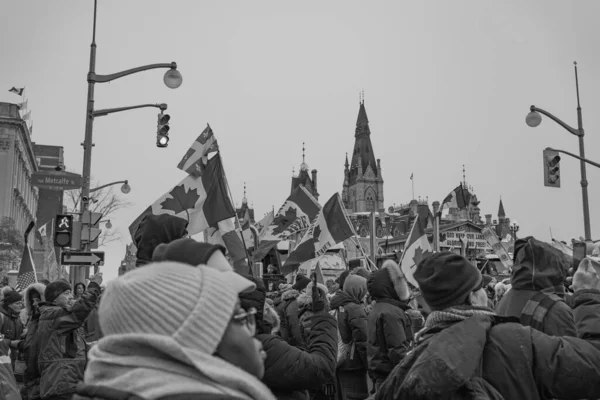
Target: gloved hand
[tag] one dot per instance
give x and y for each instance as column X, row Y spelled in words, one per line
column 320, row 304
column 586, row 276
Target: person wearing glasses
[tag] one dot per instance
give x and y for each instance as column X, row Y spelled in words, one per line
column 176, row 331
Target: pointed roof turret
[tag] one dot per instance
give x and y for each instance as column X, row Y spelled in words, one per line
column 501, row 213
column 363, row 149
column 346, row 164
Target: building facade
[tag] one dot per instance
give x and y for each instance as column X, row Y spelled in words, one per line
column 128, row 262
column 363, row 184
column 304, row 179
column 18, row 197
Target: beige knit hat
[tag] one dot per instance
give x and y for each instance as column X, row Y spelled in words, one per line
column 191, row 305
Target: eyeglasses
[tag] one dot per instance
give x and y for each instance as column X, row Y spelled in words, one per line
column 247, row 318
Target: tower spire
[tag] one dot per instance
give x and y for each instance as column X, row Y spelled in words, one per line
column 346, row 163
column 304, row 166
column 464, row 176
column 244, row 199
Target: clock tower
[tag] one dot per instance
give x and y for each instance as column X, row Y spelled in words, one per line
column 363, row 183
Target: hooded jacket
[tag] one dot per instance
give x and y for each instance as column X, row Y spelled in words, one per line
column 290, row 324
column 389, row 329
column 352, row 321
column 62, row 356
column 155, row 230
column 518, row 361
column 538, row 267
column 30, row 344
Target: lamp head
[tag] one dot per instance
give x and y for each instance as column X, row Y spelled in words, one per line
column 126, row 188
column 108, row 224
column 533, row 119
column 173, row 78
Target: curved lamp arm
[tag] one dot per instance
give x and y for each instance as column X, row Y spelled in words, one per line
column 557, row 120
column 95, row 78
column 107, row 185
column 106, row 111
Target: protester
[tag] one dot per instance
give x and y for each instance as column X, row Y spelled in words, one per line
column 11, row 327
column 29, row 346
column 155, row 230
column 537, row 294
column 79, row 289
column 352, row 324
column 192, row 339
column 465, row 348
column 291, row 372
column 389, row 328
column 290, row 323
column 8, row 385
column 62, row 354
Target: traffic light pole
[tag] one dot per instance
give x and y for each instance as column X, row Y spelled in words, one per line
column 92, row 79
column 584, row 160
column 102, row 113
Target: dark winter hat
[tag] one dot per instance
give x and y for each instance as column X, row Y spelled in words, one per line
column 342, row 278
column 486, row 280
column 154, row 230
column 187, row 251
column 255, row 298
column 11, row 297
column 446, row 279
column 55, row 289
column 302, row 282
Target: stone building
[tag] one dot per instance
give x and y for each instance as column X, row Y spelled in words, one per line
column 128, row 262
column 18, row 197
column 363, row 183
column 304, row 179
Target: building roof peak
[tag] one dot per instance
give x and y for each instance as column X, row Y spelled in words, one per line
column 501, row 212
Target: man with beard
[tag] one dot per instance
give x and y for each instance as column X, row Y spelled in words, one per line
column 62, row 356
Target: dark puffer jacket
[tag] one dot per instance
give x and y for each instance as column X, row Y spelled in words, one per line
column 290, row 324
column 63, row 351
column 30, row 345
column 389, row 329
column 540, row 268
column 154, row 230
column 518, row 361
column 11, row 327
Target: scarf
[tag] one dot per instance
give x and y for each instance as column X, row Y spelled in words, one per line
column 455, row 314
column 154, row 366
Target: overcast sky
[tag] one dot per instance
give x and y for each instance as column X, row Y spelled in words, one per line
column 446, row 84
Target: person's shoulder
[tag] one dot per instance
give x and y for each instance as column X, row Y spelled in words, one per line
column 509, row 334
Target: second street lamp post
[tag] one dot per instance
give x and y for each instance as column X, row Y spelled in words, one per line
column 172, row 79
column 534, row 119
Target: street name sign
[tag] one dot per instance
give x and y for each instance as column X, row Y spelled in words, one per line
column 82, row 258
column 56, row 180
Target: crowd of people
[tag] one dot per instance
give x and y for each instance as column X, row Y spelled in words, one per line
column 184, row 325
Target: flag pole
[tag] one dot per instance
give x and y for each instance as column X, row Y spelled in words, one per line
column 250, row 260
column 413, row 185
column 363, row 252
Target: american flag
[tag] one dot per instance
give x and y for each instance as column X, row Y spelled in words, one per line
column 26, row 274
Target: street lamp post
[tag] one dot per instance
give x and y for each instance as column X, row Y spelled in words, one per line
column 534, row 119
column 514, row 228
column 125, row 188
column 172, row 79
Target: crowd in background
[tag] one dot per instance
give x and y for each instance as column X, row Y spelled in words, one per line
column 184, row 325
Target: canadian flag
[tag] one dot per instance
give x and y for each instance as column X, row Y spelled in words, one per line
column 416, row 249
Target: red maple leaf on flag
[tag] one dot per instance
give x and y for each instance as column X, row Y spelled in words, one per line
column 181, row 200
column 420, row 255
column 282, row 222
column 317, row 234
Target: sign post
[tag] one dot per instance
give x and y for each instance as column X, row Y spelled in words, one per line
column 56, row 180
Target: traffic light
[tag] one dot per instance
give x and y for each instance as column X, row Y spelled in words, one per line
column 551, row 168
column 63, row 230
column 162, row 131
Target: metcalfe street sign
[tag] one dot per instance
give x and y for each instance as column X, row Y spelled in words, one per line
column 56, row 180
column 82, row 258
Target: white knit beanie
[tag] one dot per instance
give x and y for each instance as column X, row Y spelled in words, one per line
column 189, row 304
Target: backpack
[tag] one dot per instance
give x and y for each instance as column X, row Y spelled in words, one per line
column 536, row 308
column 403, row 381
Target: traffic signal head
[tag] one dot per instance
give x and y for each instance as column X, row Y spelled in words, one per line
column 162, row 131
column 63, row 230
column 551, row 168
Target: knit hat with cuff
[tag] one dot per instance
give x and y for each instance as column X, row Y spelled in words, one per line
column 143, row 302
column 190, row 252
column 446, row 279
column 11, row 296
column 55, row 289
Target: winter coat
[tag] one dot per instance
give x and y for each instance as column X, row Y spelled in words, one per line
column 91, row 327
column 540, row 270
column 12, row 329
column 518, row 361
column 62, row 357
column 162, row 369
column 290, row 324
column 30, row 343
column 8, row 385
column 154, row 230
column 352, row 323
column 290, row 372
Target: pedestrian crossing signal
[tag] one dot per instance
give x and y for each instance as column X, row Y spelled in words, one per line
column 162, row 131
column 551, row 168
column 63, row 230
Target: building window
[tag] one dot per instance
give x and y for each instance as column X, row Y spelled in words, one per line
column 370, row 201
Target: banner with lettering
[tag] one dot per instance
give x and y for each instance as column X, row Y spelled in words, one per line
column 497, row 246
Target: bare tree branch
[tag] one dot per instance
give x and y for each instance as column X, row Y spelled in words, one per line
column 104, row 201
column 11, row 245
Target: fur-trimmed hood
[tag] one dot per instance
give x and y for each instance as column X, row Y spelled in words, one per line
column 388, row 282
column 38, row 287
column 271, row 318
column 289, row 295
